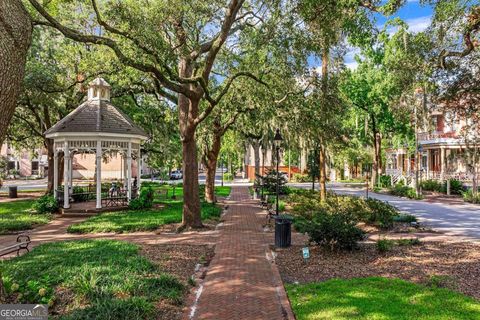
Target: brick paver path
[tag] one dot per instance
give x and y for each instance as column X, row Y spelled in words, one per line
column 241, row 283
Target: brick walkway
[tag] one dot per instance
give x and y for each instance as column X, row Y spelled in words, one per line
column 241, row 283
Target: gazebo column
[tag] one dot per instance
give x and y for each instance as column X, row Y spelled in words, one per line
column 98, row 168
column 66, row 157
column 70, row 173
column 55, row 173
column 139, row 170
column 129, row 171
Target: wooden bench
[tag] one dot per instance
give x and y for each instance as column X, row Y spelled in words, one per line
column 22, row 244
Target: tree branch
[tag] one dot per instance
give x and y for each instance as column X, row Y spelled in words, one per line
column 214, row 102
column 473, row 25
column 79, row 37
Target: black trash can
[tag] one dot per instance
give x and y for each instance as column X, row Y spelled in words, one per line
column 283, row 231
column 12, row 192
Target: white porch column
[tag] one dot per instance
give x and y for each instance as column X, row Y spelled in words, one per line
column 66, row 159
column 129, row 171
column 55, row 173
column 442, row 163
column 428, row 164
column 98, row 168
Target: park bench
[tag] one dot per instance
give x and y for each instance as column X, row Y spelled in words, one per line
column 162, row 192
column 22, row 244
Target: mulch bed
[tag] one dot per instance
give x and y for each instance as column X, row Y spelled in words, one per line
column 180, row 261
column 455, row 265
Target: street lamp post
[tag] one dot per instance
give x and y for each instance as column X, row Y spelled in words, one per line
column 277, row 140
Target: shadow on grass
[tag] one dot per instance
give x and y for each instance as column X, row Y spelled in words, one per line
column 96, row 279
column 378, row 298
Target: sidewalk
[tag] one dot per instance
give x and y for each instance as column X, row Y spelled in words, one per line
column 241, row 282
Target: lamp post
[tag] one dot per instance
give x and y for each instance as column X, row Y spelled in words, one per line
column 277, row 140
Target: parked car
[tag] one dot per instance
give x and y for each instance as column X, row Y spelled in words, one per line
column 176, row 175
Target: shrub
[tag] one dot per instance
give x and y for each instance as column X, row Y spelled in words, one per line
column 144, row 200
column 270, row 182
column 406, row 218
column 385, row 181
column 409, row 242
column 469, row 197
column 337, row 230
column 456, row 187
column 45, row 204
column 369, row 211
column 227, row 176
column 431, row 185
column 385, row 245
column 299, row 177
column 381, row 213
column 404, row 191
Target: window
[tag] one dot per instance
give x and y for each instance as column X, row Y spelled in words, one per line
column 11, row 165
column 34, row 167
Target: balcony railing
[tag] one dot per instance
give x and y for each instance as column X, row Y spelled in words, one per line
column 426, row 136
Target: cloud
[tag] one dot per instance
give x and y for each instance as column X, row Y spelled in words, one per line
column 351, row 65
column 419, row 24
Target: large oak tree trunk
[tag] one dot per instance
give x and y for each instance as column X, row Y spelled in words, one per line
column 210, row 170
column 191, row 198
column 188, row 111
column 15, row 38
column 211, row 167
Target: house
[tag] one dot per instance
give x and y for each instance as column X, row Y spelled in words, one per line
column 442, row 144
column 25, row 163
column 266, row 160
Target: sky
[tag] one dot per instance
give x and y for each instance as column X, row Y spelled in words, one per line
column 418, row 18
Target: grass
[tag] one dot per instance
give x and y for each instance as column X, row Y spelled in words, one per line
column 96, row 279
column 17, row 216
column 379, row 298
column 140, row 220
column 150, row 219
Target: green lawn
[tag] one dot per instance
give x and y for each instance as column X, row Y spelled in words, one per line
column 17, row 216
column 378, row 298
column 95, row 279
column 150, row 219
column 140, row 220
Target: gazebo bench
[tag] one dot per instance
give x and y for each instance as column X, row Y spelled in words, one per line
column 22, row 244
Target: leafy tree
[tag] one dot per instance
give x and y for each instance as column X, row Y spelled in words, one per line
column 178, row 44
column 15, row 37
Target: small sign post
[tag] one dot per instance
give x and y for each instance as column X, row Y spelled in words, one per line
column 306, row 254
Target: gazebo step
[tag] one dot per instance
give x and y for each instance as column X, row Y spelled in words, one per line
column 79, row 214
column 87, row 209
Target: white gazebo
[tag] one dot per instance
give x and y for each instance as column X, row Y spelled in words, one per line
column 98, row 127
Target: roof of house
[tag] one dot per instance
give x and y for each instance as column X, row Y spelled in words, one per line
column 97, row 116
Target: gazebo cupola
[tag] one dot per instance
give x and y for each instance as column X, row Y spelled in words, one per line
column 96, row 126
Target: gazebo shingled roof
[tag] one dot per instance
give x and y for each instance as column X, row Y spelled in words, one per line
column 96, row 116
